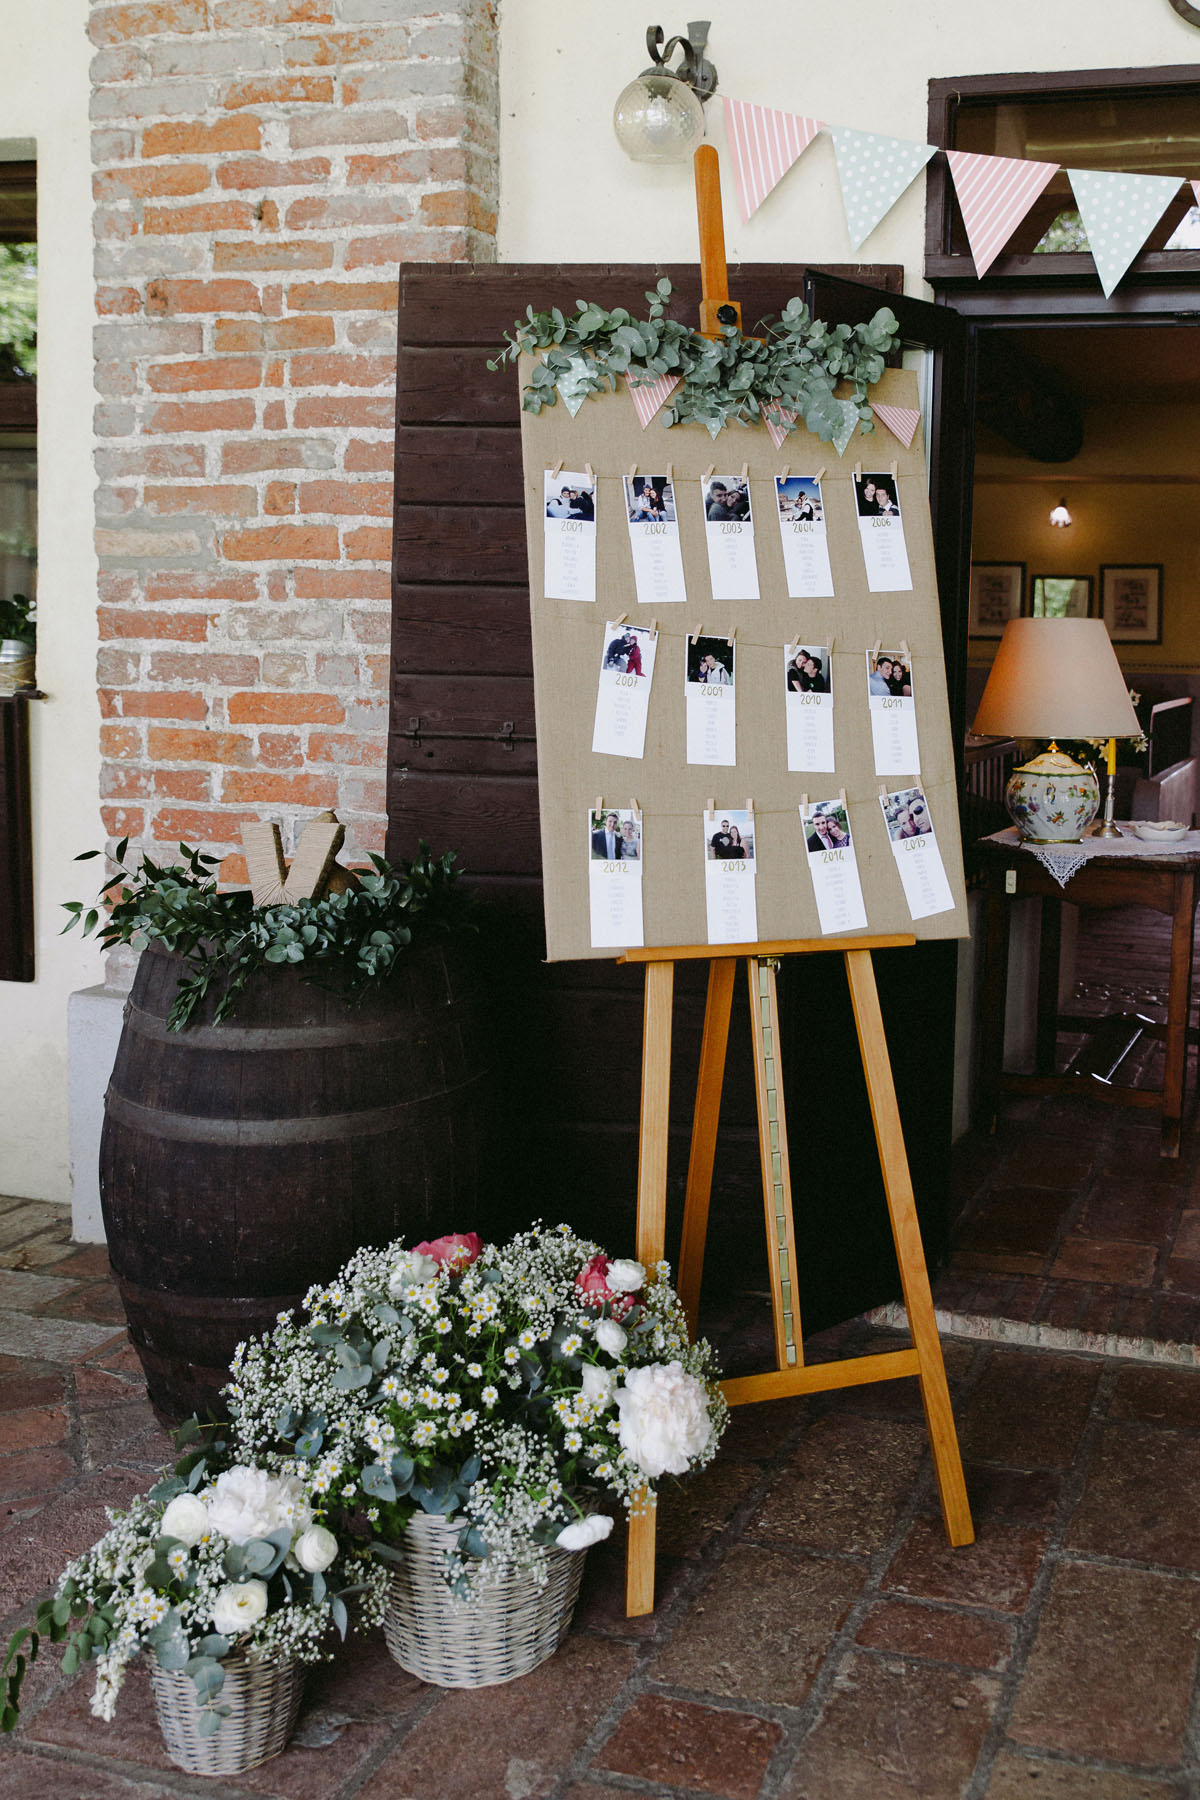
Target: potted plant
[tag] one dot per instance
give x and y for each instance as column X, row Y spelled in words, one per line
column 483, row 1404
column 225, row 1577
column 18, row 642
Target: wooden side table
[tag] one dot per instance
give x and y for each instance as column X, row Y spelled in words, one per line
column 1166, row 883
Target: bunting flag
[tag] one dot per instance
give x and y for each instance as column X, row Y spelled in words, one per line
column 650, row 394
column 1119, row 212
column 574, row 383
column 995, row 193
column 778, row 419
column 845, row 431
column 765, row 144
column 901, row 421
column 1195, row 187
column 874, row 171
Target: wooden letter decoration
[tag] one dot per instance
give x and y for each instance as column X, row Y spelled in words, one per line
column 313, row 870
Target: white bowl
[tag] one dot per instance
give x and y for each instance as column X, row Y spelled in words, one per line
column 1159, row 830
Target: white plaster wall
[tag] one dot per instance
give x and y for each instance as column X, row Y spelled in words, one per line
column 44, row 91
column 569, row 194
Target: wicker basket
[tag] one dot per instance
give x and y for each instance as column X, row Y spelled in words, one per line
column 503, row 1632
column 264, row 1697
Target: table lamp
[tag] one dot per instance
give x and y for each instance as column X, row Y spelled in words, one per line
column 1057, row 678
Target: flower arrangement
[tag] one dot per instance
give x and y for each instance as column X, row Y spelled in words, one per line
column 220, row 1558
column 516, row 1389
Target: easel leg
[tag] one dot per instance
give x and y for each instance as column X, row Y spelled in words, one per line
column 704, row 1134
column 910, row 1254
column 651, row 1225
column 773, row 1155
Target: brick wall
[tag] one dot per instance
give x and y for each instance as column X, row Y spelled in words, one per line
column 261, row 167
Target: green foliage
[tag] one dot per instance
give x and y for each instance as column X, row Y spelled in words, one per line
column 345, row 941
column 1064, row 234
column 797, row 362
column 17, row 616
column 18, row 311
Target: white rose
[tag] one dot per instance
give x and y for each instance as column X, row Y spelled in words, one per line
column 315, row 1549
column 625, row 1276
column 610, row 1336
column 584, row 1532
column 238, row 1607
column 599, row 1384
column 412, row 1270
column 664, row 1418
column 246, row 1503
column 186, row 1518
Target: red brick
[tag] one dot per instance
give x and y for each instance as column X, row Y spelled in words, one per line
column 174, row 178
column 123, row 821
column 177, row 138
column 267, row 90
column 343, row 371
column 186, row 627
column 146, row 703
column 118, row 783
column 279, row 750
column 445, row 163
column 233, row 15
column 346, row 212
column 167, row 745
column 370, row 543
column 120, row 741
column 377, row 414
column 213, row 215
column 394, row 247
column 185, row 584
column 458, row 206
column 117, row 301
column 263, row 454
column 239, row 335
column 211, row 415
column 224, row 501
column 262, row 708
column 162, row 461
column 675, row 1741
column 378, row 43
column 221, row 669
column 343, row 584
column 183, row 784
column 175, row 824
column 251, row 254
column 115, row 24
column 379, row 671
column 297, row 790
column 317, row 543
column 342, row 296
column 275, row 416
column 205, row 372
column 233, row 871
column 280, row 497
column 261, row 172
column 165, row 296
column 371, row 497
column 345, row 748
column 370, row 628
column 115, row 378
column 367, row 458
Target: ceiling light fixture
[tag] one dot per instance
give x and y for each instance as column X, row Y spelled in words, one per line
column 1059, row 514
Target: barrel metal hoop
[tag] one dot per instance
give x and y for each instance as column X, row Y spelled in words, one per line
column 186, row 1128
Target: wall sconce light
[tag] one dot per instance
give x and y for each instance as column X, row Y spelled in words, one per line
column 659, row 117
column 1059, row 514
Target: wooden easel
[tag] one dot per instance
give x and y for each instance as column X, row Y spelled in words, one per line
column 790, row 1375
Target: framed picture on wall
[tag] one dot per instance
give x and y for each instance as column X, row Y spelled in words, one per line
column 1061, row 597
column 1131, row 602
column 997, row 595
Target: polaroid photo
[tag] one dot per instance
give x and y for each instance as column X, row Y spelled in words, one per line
column 569, row 498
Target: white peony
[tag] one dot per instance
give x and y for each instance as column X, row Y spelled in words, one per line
column 664, row 1418
column 238, row 1607
column 246, row 1503
column 610, row 1336
column 583, row 1532
column 599, row 1385
column 624, row 1276
column 315, row 1549
column 412, row 1270
column 186, row 1518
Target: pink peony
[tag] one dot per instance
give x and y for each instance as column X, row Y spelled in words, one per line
column 458, row 1248
column 591, row 1284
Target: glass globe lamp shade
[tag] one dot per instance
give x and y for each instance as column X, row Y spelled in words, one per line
column 658, row 119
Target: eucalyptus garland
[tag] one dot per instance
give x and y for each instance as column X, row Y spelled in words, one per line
column 797, row 363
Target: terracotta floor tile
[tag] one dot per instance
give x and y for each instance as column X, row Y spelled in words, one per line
column 1028, row 1410
column 23, row 1775
column 1157, row 1396
column 1139, row 1499
column 894, row 1730
column 34, row 1428
column 32, row 1471
column 1010, row 1496
column 1104, row 1259
column 693, row 1512
column 997, row 1570
column 844, row 1486
column 18, row 1391
column 1134, row 1211
column 1033, row 1778
column 1017, row 1218
column 937, row 1633
column 36, row 1549
column 683, row 1745
column 1110, row 1672
column 99, row 1303
column 761, row 1627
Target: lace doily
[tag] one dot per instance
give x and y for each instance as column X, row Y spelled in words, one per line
column 1063, row 860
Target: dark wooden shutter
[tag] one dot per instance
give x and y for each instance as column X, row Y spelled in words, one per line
column 16, row 843
column 462, row 774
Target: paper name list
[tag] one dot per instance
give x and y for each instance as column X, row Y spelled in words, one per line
column 654, row 540
column 570, row 531
column 615, row 879
column 881, row 532
column 805, row 543
column 729, row 529
column 829, row 847
column 915, row 847
column 808, row 697
column 893, row 712
column 708, row 686
column 623, row 696
column 730, row 870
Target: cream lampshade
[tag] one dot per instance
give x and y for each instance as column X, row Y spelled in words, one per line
column 1055, row 678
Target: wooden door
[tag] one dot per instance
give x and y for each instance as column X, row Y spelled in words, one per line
column 462, row 773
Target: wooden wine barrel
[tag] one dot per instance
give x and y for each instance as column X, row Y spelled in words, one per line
column 241, row 1162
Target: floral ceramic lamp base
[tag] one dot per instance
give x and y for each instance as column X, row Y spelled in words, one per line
column 1052, row 799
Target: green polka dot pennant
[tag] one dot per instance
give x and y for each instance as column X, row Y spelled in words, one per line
column 1119, row 212
column 874, row 171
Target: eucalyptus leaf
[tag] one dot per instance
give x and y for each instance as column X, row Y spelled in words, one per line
column 208, row 1676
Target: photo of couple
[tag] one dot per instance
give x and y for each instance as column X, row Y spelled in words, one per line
column 799, row 500
column 727, row 500
column 876, row 497
column 573, row 501
column 907, row 814
column 826, row 826
column 733, row 840
column 616, row 836
column 710, row 661
column 888, row 675
column 807, row 671
column 650, row 499
column 624, row 652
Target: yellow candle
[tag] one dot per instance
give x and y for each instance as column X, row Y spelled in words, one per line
column 1112, row 756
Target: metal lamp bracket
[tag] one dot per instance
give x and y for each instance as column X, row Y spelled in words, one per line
column 694, row 70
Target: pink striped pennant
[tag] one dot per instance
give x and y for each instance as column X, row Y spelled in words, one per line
column 765, row 144
column 777, row 418
column 995, row 193
column 901, row 421
column 650, row 395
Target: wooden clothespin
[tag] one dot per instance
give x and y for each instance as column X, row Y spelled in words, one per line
column 732, row 638
column 654, row 628
column 555, row 471
column 634, row 808
column 599, row 806
column 749, row 803
column 708, row 807
column 819, row 474
column 858, row 471
column 745, row 471
column 697, row 634
column 804, row 806
column 894, row 470
column 875, row 646
column 622, row 620
column 841, row 796
column 784, row 472
column 632, row 470
column 904, row 649
column 669, row 475
column 590, row 473
column 708, row 472
column 883, row 790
